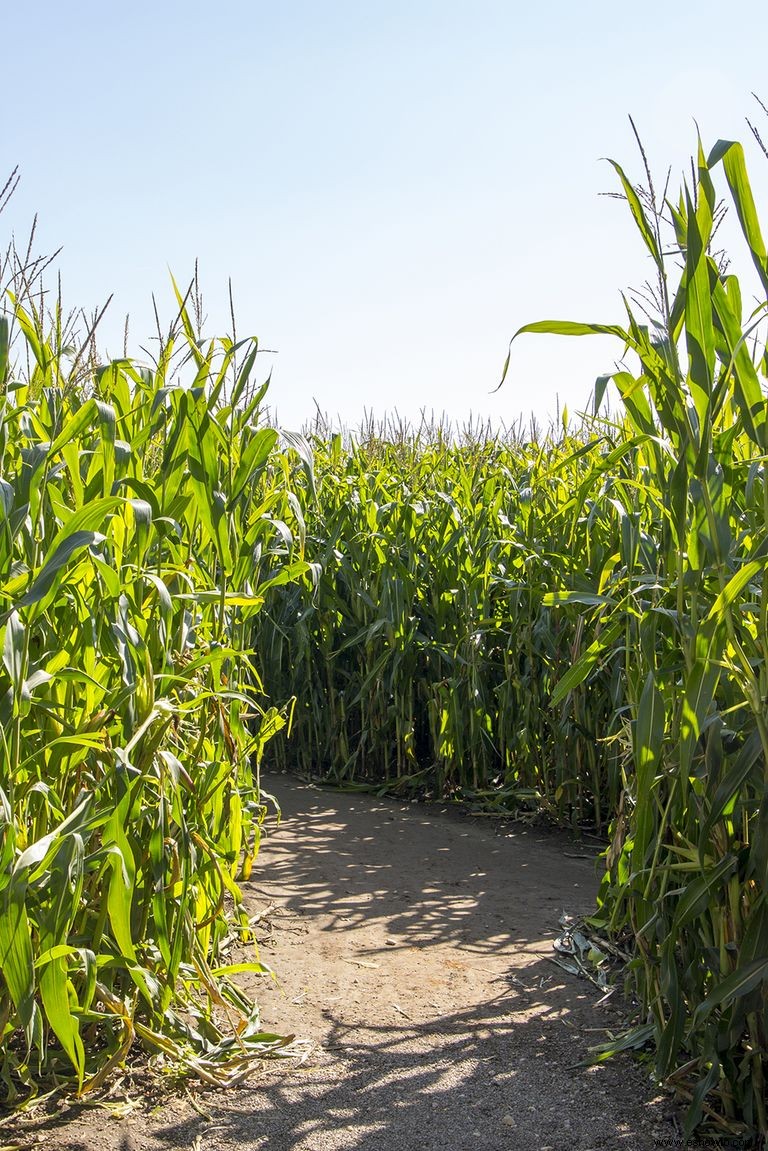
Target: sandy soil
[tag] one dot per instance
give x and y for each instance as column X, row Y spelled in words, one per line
column 413, row 947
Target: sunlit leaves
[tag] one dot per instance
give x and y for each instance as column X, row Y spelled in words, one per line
column 140, row 525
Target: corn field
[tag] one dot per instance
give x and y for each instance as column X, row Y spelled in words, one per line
column 573, row 625
column 578, row 625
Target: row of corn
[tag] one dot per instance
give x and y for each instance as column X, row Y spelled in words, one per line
column 144, row 515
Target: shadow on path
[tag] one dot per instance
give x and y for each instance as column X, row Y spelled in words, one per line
column 413, row 950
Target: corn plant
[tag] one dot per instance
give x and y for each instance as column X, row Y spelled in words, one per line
column 144, row 516
column 685, row 598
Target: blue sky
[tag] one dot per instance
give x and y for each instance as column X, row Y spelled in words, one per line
column 393, row 187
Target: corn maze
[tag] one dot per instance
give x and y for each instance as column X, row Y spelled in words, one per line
column 572, row 625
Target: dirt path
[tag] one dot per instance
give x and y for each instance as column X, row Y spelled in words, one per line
column 413, row 949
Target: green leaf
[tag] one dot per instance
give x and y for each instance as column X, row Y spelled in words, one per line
column 701, row 684
column 589, row 599
column 122, row 879
column 731, row 787
column 587, row 661
column 13, row 650
column 698, row 894
column 44, row 581
column 733, row 590
column 732, row 155
column 737, row 985
column 639, row 216
column 648, row 737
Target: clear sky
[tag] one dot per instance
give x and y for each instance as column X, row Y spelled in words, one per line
column 393, row 187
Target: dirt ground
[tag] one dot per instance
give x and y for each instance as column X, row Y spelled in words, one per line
column 413, row 948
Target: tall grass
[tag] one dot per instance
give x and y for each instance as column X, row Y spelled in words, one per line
column 144, row 515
